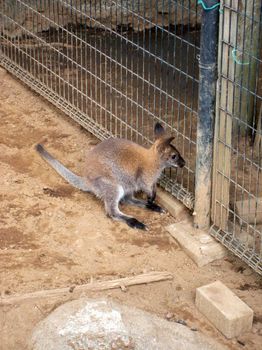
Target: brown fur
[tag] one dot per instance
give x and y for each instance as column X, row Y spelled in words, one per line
column 117, row 168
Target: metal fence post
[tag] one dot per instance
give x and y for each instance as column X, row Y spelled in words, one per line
column 206, row 111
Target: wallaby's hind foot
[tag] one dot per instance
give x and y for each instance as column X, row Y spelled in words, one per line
column 130, row 221
column 112, row 195
column 143, row 204
column 134, row 223
column 155, row 207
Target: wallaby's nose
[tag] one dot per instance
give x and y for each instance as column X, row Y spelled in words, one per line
column 181, row 163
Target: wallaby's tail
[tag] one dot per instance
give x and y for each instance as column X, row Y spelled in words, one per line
column 73, row 179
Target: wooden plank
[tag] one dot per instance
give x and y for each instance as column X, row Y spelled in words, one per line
column 90, row 287
column 222, row 170
column 250, row 210
column 234, row 27
column 223, row 120
column 247, row 46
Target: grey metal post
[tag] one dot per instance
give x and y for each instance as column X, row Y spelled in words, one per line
column 206, row 111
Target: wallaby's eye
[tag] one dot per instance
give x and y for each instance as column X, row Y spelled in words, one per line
column 174, row 156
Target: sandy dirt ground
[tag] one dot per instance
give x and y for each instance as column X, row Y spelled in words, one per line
column 52, row 235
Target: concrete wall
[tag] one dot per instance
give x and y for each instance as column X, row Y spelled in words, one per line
column 134, row 14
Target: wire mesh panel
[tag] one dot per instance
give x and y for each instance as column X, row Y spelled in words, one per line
column 237, row 182
column 116, row 67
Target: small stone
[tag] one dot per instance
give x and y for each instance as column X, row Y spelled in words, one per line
column 123, row 288
column 169, row 315
column 183, row 322
column 194, row 329
column 71, row 289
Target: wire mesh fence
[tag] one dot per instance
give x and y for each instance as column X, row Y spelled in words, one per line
column 237, row 181
column 119, row 66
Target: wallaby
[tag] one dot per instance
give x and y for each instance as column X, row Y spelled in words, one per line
column 117, row 168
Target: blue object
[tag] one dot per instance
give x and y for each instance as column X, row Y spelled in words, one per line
column 234, row 55
column 201, row 2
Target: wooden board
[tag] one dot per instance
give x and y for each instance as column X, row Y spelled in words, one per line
column 223, row 119
column 250, row 210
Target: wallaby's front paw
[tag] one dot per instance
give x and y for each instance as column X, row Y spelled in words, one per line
column 134, row 223
column 155, row 207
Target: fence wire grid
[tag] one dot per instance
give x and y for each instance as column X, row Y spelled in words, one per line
column 117, row 67
column 237, row 180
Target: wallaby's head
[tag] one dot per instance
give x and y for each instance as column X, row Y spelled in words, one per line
column 168, row 154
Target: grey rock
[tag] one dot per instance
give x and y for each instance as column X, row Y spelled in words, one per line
column 104, row 325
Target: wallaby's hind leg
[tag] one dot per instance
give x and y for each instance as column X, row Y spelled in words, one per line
column 112, row 194
column 134, row 201
column 113, row 211
column 143, row 204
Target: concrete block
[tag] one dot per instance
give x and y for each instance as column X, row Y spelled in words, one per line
column 172, row 205
column 197, row 244
column 229, row 314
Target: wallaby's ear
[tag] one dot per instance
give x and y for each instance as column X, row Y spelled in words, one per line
column 159, row 131
column 168, row 140
column 164, row 142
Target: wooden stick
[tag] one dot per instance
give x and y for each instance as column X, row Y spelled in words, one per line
column 90, row 287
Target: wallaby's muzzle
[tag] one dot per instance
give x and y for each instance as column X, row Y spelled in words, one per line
column 181, row 162
column 178, row 161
